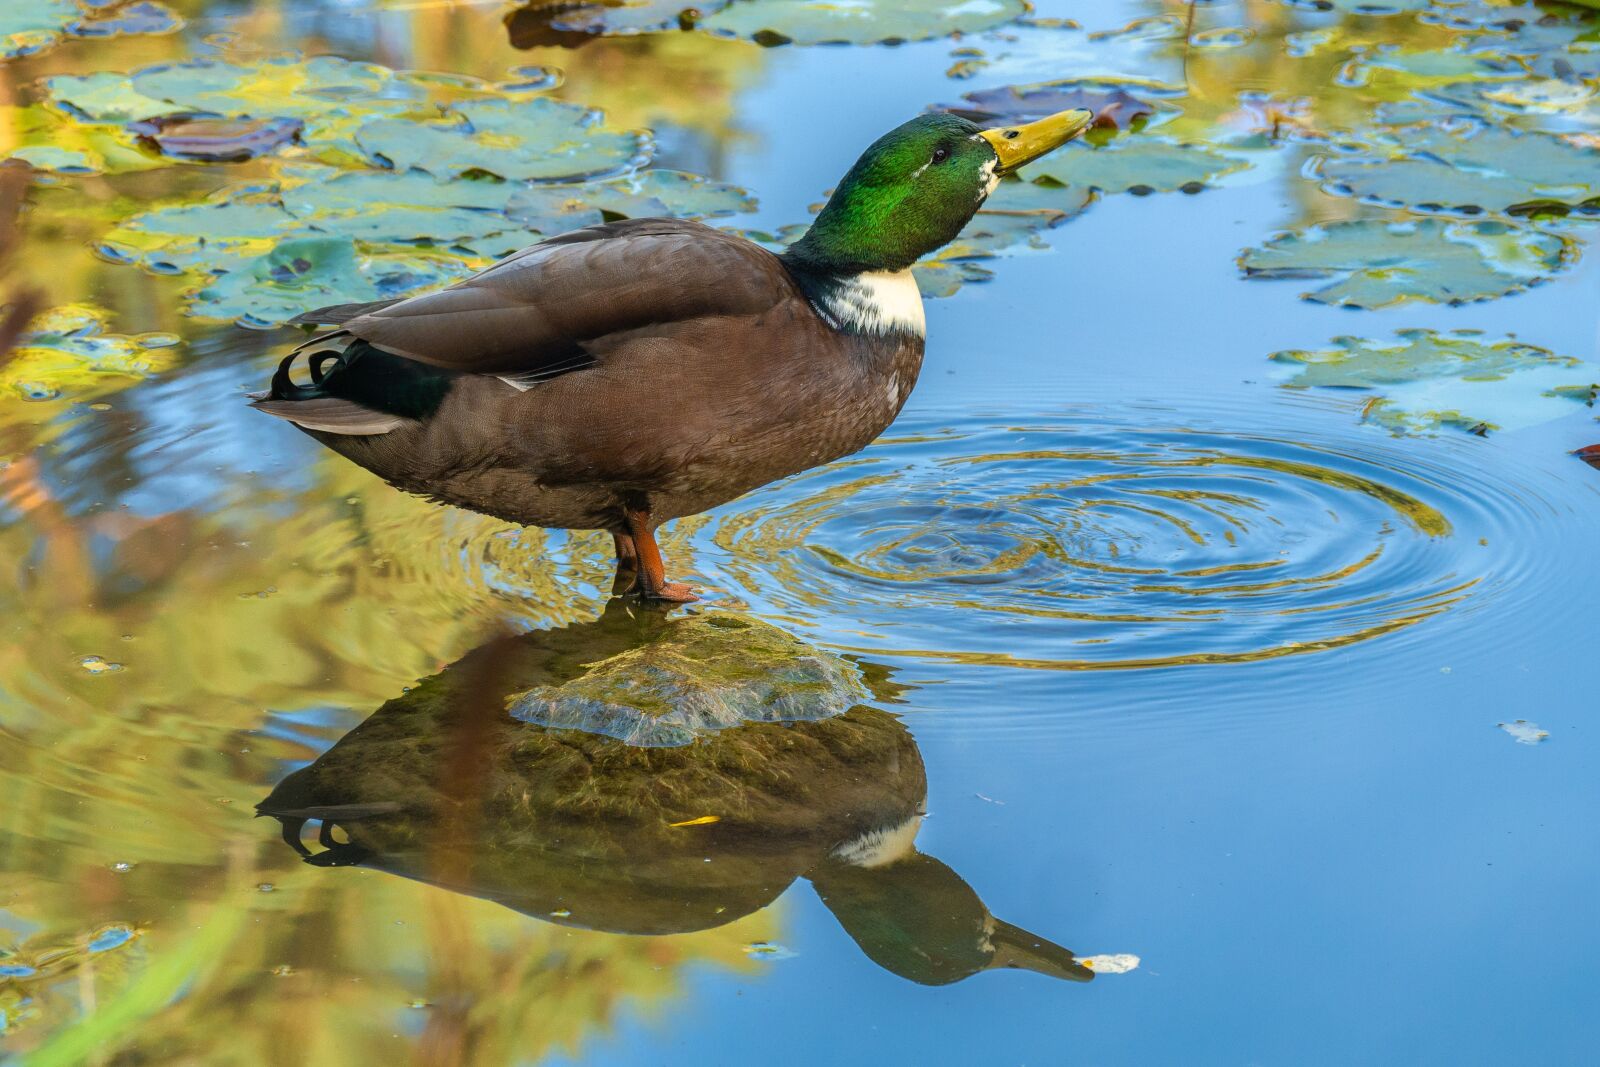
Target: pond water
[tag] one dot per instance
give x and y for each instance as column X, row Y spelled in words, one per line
column 1224, row 652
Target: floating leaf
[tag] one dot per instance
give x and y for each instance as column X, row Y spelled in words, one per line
column 989, row 235
column 1376, row 263
column 1429, row 379
column 281, row 85
column 206, row 140
column 1118, row 963
column 315, row 271
column 1361, row 7
column 1136, row 164
column 776, row 22
column 538, row 139
column 1468, row 169
column 67, row 351
column 648, row 194
column 1423, row 66
column 213, row 235
column 571, row 23
column 1590, row 454
column 1113, row 101
column 1525, row 732
column 143, row 17
column 31, row 26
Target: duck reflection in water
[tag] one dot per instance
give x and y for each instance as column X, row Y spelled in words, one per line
column 647, row 775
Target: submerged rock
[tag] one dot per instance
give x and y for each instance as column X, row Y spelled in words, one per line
column 703, row 674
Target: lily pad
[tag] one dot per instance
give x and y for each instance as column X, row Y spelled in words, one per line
column 1118, row 103
column 992, row 234
column 538, row 139
column 1428, row 380
column 777, row 22
column 316, row 271
column 648, row 194
column 1469, row 169
column 28, row 27
column 1361, row 7
column 67, row 351
column 207, row 140
column 212, row 235
column 1137, row 165
column 571, row 23
column 281, row 85
column 1376, row 263
column 1547, row 105
column 135, row 19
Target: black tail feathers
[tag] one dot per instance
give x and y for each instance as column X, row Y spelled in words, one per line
column 284, row 387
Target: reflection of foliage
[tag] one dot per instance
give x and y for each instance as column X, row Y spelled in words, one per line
column 66, row 349
column 1426, row 379
column 1376, row 263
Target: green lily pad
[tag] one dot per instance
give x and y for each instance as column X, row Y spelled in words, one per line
column 281, row 85
column 143, row 17
column 1428, row 380
column 28, row 27
column 539, row 139
column 1546, row 105
column 1423, row 66
column 67, row 351
column 648, row 194
column 775, row 22
column 316, row 271
column 1136, row 164
column 988, row 236
column 216, row 234
column 1376, row 263
column 1468, row 169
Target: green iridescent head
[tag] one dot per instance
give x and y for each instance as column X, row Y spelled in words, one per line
column 915, row 188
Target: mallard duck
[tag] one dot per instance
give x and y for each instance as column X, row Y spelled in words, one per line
column 618, row 376
column 581, row 828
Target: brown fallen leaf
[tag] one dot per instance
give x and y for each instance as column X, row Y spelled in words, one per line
column 215, row 140
column 1590, row 454
column 1114, row 108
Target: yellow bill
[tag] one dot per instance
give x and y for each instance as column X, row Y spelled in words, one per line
column 1019, row 145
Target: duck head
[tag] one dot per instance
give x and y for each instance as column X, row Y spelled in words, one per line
column 915, row 188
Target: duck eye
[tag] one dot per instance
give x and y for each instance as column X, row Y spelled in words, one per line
column 941, row 154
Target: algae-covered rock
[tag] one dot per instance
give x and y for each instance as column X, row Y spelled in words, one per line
column 703, row 674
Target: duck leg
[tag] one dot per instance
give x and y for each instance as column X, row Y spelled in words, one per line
column 627, row 564
column 652, row 582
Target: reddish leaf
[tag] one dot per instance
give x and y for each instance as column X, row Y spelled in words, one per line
column 215, row 140
column 1590, row 455
column 1114, row 108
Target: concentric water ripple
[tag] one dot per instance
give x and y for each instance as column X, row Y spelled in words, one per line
column 1078, row 542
